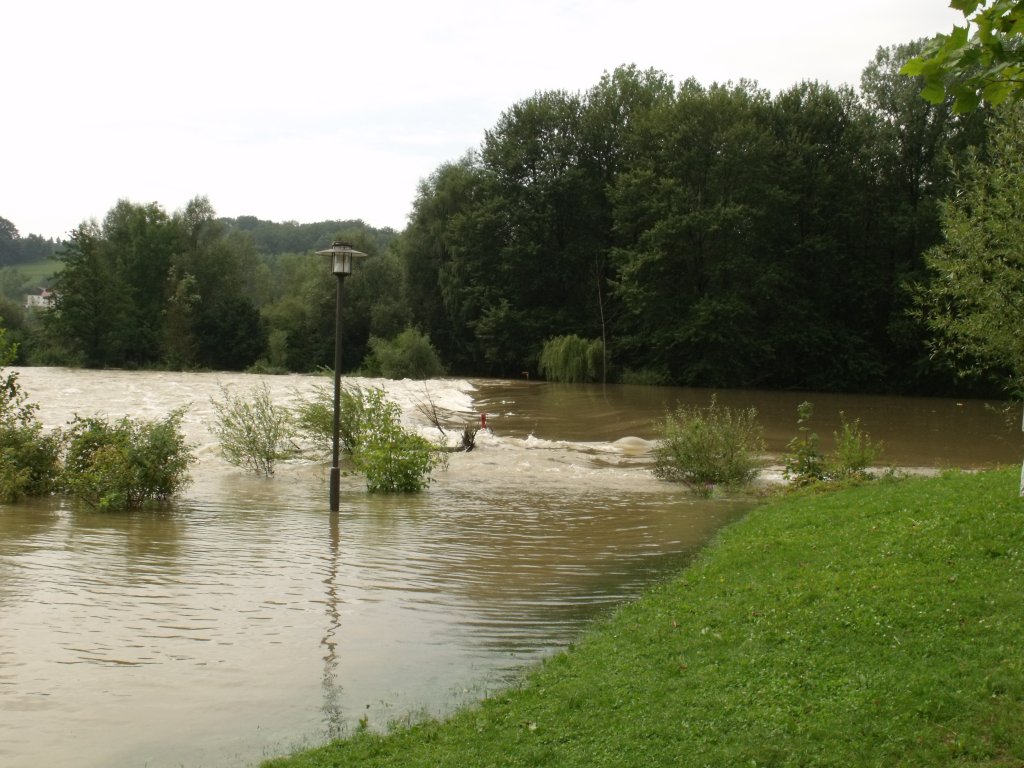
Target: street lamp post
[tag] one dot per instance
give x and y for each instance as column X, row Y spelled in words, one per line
column 342, row 256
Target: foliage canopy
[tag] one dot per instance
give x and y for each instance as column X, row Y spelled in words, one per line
column 980, row 63
column 973, row 300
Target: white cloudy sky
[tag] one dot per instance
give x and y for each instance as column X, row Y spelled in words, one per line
column 309, row 110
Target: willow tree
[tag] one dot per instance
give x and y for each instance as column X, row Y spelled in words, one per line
column 571, row 359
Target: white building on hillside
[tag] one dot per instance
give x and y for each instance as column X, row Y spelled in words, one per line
column 41, row 300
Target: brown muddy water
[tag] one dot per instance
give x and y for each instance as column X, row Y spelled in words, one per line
column 245, row 621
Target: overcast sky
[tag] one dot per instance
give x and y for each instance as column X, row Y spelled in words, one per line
column 309, row 110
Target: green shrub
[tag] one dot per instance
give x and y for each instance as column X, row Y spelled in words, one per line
column 703, row 447
column 253, row 432
column 571, row 359
column 854, row 452
column 649, row 377
column 804, row 462
column 409, row 355
column 314, row 419
column 391, row 458
column 29, row 460
column 127, row 463
column 371, row 434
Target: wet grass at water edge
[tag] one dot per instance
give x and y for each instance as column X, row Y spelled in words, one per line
column 879, row 625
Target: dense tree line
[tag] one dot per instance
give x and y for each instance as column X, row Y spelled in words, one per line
column 703, row 235
column 146, row 288
column 15, row 249
column 713, row 235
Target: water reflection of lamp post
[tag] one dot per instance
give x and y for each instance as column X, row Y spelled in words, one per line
column 332, row 709
column 343, row 256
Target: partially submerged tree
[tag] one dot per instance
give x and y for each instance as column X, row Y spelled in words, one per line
column 254, row 433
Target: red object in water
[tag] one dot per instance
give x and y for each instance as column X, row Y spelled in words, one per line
column 483, row 421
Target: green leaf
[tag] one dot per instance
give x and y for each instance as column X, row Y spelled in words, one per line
column 913, row 67
column 966, row 6
column 934, row 92
column 996, row 93
column 966, row 101
column 958, row 38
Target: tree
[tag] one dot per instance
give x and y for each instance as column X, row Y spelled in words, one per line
column 821, row 212
column 428, row 247
column 222, row 317
column 92, row 304
column 110, row 294
column 690, row 219
column 982, row 62
column 139, row 244
column 912, row 145
column 974, row 299
column 8, row 242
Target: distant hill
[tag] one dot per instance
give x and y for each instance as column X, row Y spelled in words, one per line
column 273, row 237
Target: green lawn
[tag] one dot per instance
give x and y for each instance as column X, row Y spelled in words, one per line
column 881, row 625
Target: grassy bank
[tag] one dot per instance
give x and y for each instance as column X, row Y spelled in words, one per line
column 878, row 626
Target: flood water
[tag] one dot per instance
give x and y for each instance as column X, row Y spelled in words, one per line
column 245, row 621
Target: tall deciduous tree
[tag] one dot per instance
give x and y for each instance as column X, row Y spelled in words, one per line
column 428, row 247
column 690, row 218
column 92, row 301
column 226, row 323
column 147, row 288
column 912, row 144
column 974, row 300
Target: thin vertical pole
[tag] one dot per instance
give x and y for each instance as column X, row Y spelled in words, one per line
column 335, row 455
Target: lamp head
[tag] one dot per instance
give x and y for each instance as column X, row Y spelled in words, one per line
column 343, row 257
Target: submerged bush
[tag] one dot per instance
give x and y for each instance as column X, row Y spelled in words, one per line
column 29, row 460
column 649, row 377
column 253, row 432
column 371, row 433
column 392, row 459
column 126, row 463
column 314, row 419
column 703, row 447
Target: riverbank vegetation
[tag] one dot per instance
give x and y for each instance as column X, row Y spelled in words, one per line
column 255, row 433
column 122, row 464
column 721, row 446
column 708, row 235
column 127, row 463
column 879, row 625
column 705, row 447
